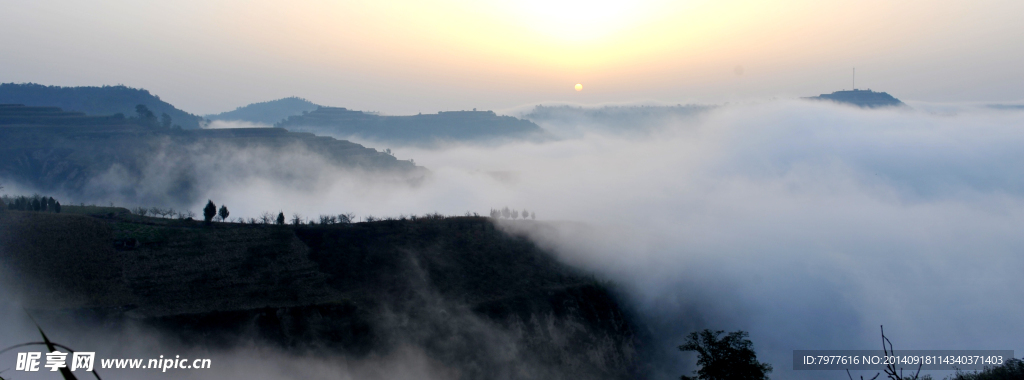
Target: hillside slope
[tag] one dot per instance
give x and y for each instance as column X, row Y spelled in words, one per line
column 455, row 126
column 269, row 112
column 472, row 297
column 861, row 98
column 98, row 158
column 106, row 100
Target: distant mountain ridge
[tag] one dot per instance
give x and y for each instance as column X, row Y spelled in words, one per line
column 415, row 129
column 269, row 112
column 569, row 120
column 91, row 100
column 861, row 98
column 92, row 157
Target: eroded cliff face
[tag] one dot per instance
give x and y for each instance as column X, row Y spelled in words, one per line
column 471, row 297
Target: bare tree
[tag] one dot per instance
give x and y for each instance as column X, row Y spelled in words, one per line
column 296, row 219
column 890, row 369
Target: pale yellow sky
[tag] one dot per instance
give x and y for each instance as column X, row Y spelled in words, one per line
column 424, row 56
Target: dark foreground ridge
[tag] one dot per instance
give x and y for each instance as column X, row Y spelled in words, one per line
column 51, row 150
column 481, row 301
column 861, row 98
column 414, row 130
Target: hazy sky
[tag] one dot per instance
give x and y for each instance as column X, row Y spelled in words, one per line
column 404, row 57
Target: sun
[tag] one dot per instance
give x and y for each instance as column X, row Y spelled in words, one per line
column 579, row 87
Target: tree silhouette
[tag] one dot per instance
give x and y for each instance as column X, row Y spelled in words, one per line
column 515, row 214
column 224, row 212
column 56, row 207
column 35, row 205
column 165, row 120
column 209, row 211
column 506, row 213
column 280, row 218
column 146, row 117
column 729, row 358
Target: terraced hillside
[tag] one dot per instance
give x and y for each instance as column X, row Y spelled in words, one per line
column 95, row 101
column 473, row 297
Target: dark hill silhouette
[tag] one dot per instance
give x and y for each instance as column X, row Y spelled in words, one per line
column 478, row 300
column 861, row 98
column 106, row 100
column 269, row 112
column 51, row 150
column 412, row 130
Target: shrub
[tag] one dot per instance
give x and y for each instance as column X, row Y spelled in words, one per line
column 209, row 211
column 1013, row 369
column 729, row 358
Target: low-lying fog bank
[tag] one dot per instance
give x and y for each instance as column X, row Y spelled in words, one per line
column 806, row 224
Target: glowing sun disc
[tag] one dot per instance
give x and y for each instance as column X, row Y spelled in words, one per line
column 579, row 87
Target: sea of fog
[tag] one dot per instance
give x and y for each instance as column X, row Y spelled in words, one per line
column 808, row 225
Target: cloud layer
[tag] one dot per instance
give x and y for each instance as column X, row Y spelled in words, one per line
column 806, row 224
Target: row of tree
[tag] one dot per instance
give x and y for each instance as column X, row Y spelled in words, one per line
column 33, row 203
column 512, row 214
column 144, row 116
column 297, row 220
column 163, row 213
column 210, row 212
